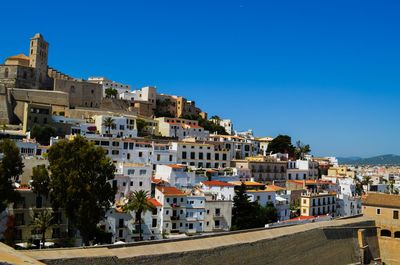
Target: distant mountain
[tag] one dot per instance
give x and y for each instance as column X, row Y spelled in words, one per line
column 348, row 160
column 376, row 160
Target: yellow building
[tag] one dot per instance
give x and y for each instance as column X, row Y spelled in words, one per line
column 315, row 204
column 341, row 171
column 22, row 214
column 384, row 209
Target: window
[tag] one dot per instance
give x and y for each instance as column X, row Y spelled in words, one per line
column 395, row 214
column 121, row 233
column 158, row 157
column 378, row 211
column 192, row 155
column 200, row 155
column 183, row 155
column 208, row 156
column 142, row 172
column 397, row 234
column 6, row 73
column 140, row 154
column 140, row 183
column 170, row 158
column 154, row 223
column 386, row 233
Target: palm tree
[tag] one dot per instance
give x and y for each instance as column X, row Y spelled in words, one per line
column 391, row 186
column 367, row 181
column 42, row 222
column 301, row 150
column 109, row 123
column 138, row 202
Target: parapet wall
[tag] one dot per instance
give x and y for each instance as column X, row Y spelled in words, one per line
column 317, row 243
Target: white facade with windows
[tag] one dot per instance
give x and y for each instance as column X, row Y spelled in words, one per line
column 106, row 83
column 123, row 126
column 176, row 175
column 131, row 177
column 201, row 155
column 181, row 128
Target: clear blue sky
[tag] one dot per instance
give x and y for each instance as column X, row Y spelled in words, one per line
column 325, row 73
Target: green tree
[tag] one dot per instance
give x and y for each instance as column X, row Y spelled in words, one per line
column 141, row 127
column 10, row 168
column 281, row 144
column 43, row 133
column 366, row 181
column 243, row 212
column 109, row 123
column 41, row 180
column 80, row 183
column 139, row 203
column 301, row 150
column 111, row 92
column 42, row 221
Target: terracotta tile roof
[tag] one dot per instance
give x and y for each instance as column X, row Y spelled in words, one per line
column 18, row 56
column 175, row 166
column 156, row 181
column 382, row 199
column 274, row 188
column 154, row 202
column 310, row 182
column 217, row 183
column 246, row 183
column 171, row 191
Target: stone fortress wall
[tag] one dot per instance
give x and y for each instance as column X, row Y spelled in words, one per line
column 335, row 242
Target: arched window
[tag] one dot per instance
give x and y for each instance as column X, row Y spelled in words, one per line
column 6, row 73
column 397, row 234
column 386, row 233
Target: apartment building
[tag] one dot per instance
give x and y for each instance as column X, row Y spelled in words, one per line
column 218, row 213
column 176, row 175
column 315, row 204
column 239, row 147
column 181, row 128
column 201, row 155
column 220, row 190
column 173, row 213
column 124, row 225
column 122, row 126
column 136, row 150
column 107, row 83
column 22, row 215
column 261, row 168
column 131, row 177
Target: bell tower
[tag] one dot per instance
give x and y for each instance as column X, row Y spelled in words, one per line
column 38, row 56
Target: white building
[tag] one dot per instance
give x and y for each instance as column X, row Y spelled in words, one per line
column 348, row 203
column 220, row 190
column 124, row 227
column 122, row 127
column 131, row 177
column 147, row 94
column 302, row 169
column 106, row 83
column 201, row 155
column 181, row 128
column 176, row 175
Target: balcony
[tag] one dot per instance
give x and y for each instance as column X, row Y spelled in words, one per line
column 218, row 215
column 175, row 217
